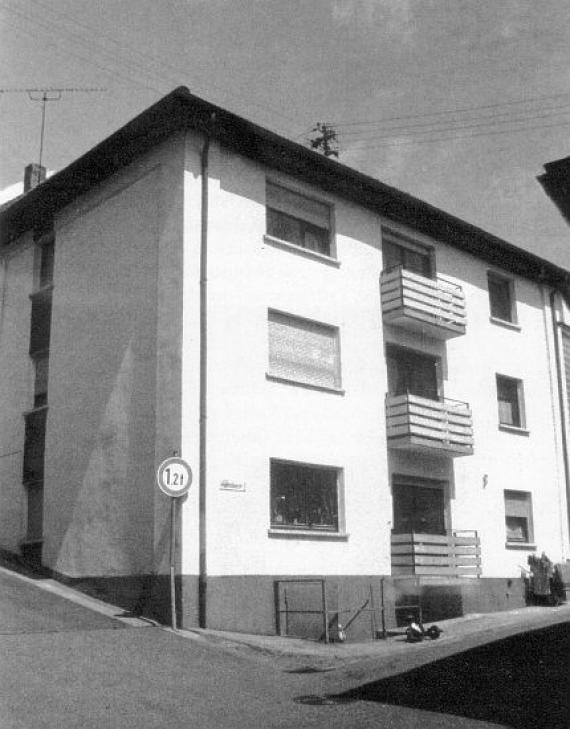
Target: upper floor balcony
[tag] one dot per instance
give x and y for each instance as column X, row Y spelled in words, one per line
column 432, row 306
column 418, row 423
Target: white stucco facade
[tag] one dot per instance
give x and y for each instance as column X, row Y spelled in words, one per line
column 124, row 384
column 252, row 419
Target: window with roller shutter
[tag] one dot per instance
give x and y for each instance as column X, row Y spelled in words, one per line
column 303, row 351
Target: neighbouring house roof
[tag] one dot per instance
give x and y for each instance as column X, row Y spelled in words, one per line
column 556, row 183
column 182, row 110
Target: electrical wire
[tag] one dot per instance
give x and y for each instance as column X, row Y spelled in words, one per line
column 404, row 142
column 145, row 63
column 423, row 129
column 456, row 110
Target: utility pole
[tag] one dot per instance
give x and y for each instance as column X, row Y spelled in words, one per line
column 43, row 95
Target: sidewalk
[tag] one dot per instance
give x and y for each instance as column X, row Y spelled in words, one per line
column 333, row 661
column 382, row 658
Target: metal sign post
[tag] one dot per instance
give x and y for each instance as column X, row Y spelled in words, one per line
column 174, row 478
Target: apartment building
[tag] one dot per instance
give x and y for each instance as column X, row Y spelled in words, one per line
column 370, row 391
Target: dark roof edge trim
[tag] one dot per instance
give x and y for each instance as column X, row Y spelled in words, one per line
column 180, row 110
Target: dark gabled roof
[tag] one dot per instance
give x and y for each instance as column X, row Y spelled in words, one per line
column 181, row 110
column 556, row 183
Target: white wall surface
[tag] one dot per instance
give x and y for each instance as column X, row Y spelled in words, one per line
column 105, row 428
column 252, row 419
column 16, row 385
column 124, row 383
column 503, row 460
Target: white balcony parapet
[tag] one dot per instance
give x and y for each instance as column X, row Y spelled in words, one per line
column 453, row 555
column 420, row 424
column 433, row 306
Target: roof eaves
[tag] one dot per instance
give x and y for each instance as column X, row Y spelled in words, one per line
column 180, row 110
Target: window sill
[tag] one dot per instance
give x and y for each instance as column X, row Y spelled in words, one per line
column 504, row 323
column 285, row 245
column 31, row 411
column 514, row 429
column 521, row 545
column 43, row 291
column 307, row 534
column 307, row 385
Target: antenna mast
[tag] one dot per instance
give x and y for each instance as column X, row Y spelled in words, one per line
column 44, row 95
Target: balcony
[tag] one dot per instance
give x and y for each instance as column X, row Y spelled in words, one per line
column 416, row 423
column 430, row 306
column 453, row 555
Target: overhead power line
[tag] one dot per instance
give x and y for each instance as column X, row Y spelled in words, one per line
column 47, row 89
column 392, row 142
column 456, row 110
column 140, row 63
column 418, row 130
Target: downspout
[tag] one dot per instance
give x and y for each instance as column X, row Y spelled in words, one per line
column 563, row 427
column 203, row 565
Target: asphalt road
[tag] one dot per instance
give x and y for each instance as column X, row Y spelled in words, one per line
column 522, row 682
column 63, row 666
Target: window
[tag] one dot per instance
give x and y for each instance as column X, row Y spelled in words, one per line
column 412, row 372
column 511, row 402
column 40, row 322
column 41, row 366
column 501, row 298
column 298, row 219
column 411, row 257
column 304, row 496
column 34, row 445
column 518, row 517
column 303, row 351
column 35, row 509
column 419, row 506
column 46, row 263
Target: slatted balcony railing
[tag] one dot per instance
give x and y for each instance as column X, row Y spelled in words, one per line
column 435, row 307
column 454, row 555
column 419, row 424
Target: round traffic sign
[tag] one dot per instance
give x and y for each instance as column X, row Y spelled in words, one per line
column 174, row 477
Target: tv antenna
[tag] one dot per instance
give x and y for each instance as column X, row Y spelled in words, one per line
column 43, row 95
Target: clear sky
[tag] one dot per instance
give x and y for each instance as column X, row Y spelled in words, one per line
column 459, row 102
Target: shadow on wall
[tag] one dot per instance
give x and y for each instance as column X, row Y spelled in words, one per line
column 521, row 682
column 112, row 513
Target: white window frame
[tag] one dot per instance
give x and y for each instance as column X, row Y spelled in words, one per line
column 331, row 256
column 522, row 426
column 304, row 530
column 405, row 242
column 516, row 494
column 512, row 322
column 271, row 374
